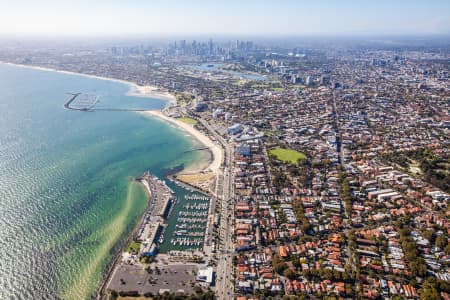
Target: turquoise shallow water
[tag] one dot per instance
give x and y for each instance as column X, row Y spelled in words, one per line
column 66, row 198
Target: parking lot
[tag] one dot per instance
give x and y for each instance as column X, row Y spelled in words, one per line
column 160, row 278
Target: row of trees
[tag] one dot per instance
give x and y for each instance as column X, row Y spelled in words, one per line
column 416, row 263
column 345, row 193
column 432, row 288
column 301, row 217
column 440, row 241
column 199, row 294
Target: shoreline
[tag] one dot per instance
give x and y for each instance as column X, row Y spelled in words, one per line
column 116, row 257
column 148, row 91
column 211, row 166
column 135, row 90
column 216, row 150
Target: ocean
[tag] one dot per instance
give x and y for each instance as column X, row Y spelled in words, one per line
column 67, row 197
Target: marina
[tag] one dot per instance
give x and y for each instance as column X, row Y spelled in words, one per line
column 197, row 206
column 196, row 197
column 193, row 213
column 172, row 227
column 191, row 226
column 83, row 162
column 187, row 242
column 186, row 229
column 160, row 205
column 172, row 220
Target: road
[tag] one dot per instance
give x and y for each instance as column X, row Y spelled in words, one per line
column 224, row 286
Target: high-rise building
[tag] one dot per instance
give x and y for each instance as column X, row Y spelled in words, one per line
column 324, row 80
column 296, row 79
column 210, row 47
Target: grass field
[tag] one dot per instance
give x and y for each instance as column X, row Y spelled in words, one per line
column 287, row 155
column 188, row 120
column 277, row 89
column 183, row 98
column 133, row 247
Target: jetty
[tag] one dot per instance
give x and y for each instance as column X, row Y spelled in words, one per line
column 74, row 96
column 160, row 204
column 87, row 104
column 196, row 149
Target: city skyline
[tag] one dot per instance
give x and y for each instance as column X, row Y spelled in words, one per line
column 350, row 17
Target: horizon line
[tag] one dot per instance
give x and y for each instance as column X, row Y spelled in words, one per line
column 221, row 34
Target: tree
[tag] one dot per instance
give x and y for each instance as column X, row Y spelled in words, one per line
column 114, row 295
column 289, row 274
column 429, row 290
column 443, row 286
column 441, row 242
column 278, row 265
column 306, row 273
column 337, row 275
column 328, row 274
column 447, row 249
column 279, row 268
column 429, row 235
column 416, row 263
column 282, row 216
column 348, row 290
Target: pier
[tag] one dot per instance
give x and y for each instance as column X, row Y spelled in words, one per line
column 151, row 231
column 196, row 149
column 87, row 104
column 74, row 96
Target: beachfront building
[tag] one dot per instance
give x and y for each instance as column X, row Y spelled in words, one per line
column 235, row 129
column 206, row 276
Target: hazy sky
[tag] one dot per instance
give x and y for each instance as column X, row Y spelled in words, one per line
column 225, row 16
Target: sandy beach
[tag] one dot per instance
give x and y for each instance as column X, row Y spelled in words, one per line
column 214, row 148
column 204, row 173
column 148, row 91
